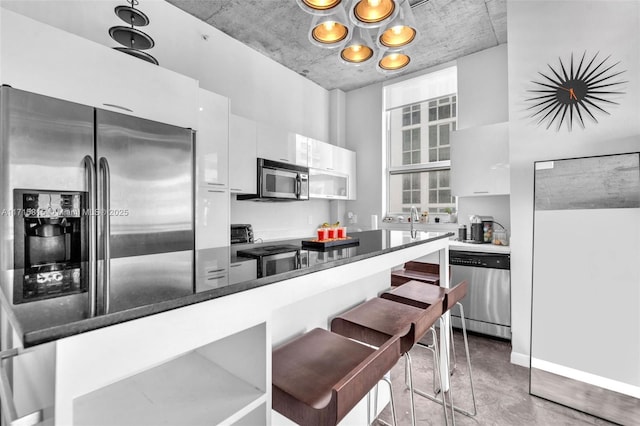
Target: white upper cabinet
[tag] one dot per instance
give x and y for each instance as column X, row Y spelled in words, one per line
column 42, row 59
column 242, row 155
column 212, row 140
column 332, row 171
column 275, row 143
column 480, row 161
column 321, row 155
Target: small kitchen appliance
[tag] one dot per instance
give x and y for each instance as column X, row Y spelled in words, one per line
column 481, row 229
column 279, row 181
column 241, row 233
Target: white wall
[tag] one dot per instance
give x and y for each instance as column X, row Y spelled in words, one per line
column 482, row 88
column 364, row 135
column 539, row 33
column 281, row 220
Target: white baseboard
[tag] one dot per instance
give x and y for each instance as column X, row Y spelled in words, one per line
column 522, row 360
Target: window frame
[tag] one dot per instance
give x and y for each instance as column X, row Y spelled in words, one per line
column 433, row 166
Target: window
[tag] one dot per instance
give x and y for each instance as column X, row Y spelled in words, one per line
column 419, row 155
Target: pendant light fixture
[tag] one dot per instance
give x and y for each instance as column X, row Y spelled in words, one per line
column 372, row 13
column 133, row 40
column 401, row 31
column 348, row 24
column 359, row 49
column 390, row 62
column 330, row 29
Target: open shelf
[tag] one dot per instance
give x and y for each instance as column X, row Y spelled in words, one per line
column 190, row 390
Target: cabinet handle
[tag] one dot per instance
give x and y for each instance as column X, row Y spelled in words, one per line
column 480, row 192
column 236, row 189
column 235, row 265
column 215, row 270
column 284, row 159
column 216, row 278
column 213, row 183
column 329, row 168
column 215, row 190
column 8, row 406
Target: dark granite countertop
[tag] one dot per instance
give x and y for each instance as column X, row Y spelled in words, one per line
column 45, row 320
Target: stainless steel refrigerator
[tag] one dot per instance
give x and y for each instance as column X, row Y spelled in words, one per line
column 94, row 202
column 585, row 322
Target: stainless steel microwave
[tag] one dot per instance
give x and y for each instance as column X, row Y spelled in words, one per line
column 278, row 181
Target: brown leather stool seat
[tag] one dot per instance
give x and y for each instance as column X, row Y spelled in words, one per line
column 376, row 320
column 419, row 271
column 417, row 294
column 320, row 376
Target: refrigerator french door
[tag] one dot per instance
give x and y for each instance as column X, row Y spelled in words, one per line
column 134, row 177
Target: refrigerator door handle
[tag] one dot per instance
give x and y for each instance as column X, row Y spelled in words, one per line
column 90, row 176
column 106, row 230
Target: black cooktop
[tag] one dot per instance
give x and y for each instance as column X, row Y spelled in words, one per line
column 262, row 251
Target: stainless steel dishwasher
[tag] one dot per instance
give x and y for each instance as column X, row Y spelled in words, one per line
column 487, row 305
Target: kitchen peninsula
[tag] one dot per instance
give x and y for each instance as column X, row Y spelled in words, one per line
column 204, row 356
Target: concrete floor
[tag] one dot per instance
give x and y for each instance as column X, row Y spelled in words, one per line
column 501, row 388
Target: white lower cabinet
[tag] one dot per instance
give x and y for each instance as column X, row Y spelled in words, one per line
column 212, row 218
column 243, row 270
column 242, row 155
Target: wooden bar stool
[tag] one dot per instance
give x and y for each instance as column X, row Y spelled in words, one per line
column 320, row 376
column 375, row 321
column 420, row 271
column 421, row 295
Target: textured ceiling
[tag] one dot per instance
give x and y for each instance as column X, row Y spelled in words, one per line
column 279, row 29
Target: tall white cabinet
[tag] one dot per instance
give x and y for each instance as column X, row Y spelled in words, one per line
column 243, row 135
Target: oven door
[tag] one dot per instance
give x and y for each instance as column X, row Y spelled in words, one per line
column 278, row 183
column 279, row 263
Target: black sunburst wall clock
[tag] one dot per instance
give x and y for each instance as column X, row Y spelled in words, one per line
column 567, row 93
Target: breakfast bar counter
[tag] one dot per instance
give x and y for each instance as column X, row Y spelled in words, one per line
column 120, row 367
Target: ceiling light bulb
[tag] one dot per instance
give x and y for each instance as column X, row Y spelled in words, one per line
column 397, row 36
column 394, row 61
column 321, row 4
column 329, row 33
column 356, row 54
column 329, row 25
column 374, row 11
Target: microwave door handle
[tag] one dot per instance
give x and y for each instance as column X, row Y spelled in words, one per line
column 298, row 185
column 90, row 176
column 106, row 231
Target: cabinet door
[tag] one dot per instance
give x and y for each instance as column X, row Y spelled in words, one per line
column 212, row 218
column 212, row 140
column 85, row 72
column 242, row 155
column 244, row 270
column 480, row 160
column 326, row 184
column 344, row 161
column 321, row 155
column 275, row 143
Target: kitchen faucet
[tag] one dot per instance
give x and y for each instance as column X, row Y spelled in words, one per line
column 413, row 217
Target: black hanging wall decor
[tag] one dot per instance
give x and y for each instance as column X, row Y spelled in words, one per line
column 133, row 40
